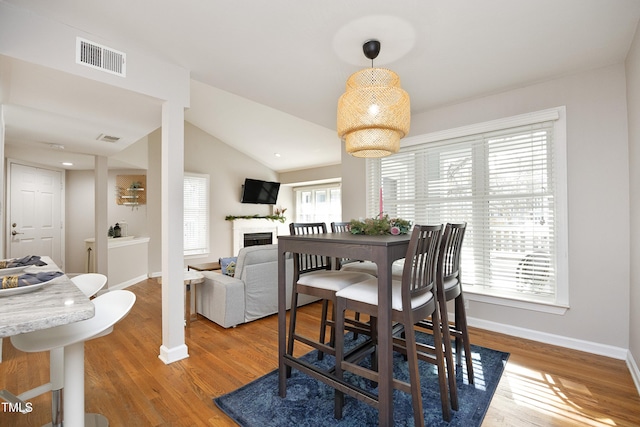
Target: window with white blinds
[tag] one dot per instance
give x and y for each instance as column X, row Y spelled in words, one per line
column 320, row 203
column 503, row 184
column 196, row 214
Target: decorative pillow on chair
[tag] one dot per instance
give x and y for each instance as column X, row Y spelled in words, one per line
column 228, row 265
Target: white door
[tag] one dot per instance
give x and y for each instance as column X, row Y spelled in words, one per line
column 35, row 225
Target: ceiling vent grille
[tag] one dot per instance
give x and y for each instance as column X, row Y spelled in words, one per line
column 108, row 138
column 100, row 57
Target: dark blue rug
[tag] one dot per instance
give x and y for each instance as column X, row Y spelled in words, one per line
column 310, row 402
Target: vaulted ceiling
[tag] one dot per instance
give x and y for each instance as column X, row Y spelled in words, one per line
column 266, row 76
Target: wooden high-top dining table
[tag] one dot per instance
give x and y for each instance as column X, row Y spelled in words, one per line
column 382, row 250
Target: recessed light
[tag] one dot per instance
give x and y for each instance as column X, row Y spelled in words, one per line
column 67, row 164
column 276, row 154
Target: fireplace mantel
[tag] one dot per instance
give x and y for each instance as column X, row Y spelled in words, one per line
column 257, row 225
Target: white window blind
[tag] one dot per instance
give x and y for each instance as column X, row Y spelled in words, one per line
column 502, row 183
column 196, row 214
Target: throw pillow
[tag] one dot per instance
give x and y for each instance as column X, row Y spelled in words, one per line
column 228, row 265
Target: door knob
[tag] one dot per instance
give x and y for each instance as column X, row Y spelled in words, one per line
column 14, row 232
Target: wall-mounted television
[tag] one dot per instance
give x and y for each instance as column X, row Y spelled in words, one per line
column 260, row 192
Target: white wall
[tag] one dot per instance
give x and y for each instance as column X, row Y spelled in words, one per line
column 2, row 180
column 33, row 38
column 227, row 169
column 80, row 214
column 633, row 105
column 154, row 219
column 79, row 217
column 322, row 173
column 598, row 192
column 205, row 154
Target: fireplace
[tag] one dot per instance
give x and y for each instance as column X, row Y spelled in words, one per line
column 251, row 232
column 255, row 239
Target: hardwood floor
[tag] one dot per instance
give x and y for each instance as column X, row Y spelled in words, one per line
column 542, row 385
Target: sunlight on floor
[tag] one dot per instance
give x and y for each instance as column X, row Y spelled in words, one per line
column 478, row 374
column 553, row 395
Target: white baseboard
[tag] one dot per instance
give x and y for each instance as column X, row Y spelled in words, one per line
column 169, row 355
column 633, row 368
column 559, row 340
column 128, row 283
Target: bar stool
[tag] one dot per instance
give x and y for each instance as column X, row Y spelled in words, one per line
column 110, row 308
column 90, row 283
column 313, row 275
column 451, row 289
column 413, row 298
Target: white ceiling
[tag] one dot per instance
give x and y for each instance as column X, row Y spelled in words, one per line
column 266, row 76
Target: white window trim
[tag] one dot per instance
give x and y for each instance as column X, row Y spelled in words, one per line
column 336, row 184
column 558, row 116
column 541, row 306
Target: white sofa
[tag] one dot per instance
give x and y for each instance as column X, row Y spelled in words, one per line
column 252, row 293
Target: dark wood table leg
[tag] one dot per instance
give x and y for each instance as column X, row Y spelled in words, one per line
column 282, row 319
column 385, row 343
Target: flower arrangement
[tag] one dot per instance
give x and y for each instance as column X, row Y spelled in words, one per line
column 380, row 225
column 279, row 211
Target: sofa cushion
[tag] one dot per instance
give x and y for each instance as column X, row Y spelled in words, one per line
column 258, row 254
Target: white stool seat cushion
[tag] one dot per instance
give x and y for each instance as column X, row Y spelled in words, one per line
column 362, row 267
column 371, row 268
column 110, row 308
column 332, row 280
column 450, row 283
column 367, row 292
column 90, row 283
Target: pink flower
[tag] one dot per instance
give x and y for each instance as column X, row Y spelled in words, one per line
column 395, row 230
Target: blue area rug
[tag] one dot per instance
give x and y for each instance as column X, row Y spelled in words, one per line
column 310, row 402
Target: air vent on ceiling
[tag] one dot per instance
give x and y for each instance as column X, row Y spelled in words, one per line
column 101, row 57
column 108, row 138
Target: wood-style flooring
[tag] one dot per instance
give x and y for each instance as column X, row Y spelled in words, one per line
column 125, row 380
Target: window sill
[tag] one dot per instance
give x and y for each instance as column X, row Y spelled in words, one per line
column 195, row 256
column 540, row 306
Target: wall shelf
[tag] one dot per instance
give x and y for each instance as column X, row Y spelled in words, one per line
column 130, row 190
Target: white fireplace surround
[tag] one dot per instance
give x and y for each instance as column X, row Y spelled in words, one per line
column 246, row 226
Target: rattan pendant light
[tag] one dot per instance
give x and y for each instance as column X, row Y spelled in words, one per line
column 374, row 112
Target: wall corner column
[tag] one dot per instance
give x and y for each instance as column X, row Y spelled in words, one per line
column 173, row 346
column 101, row 185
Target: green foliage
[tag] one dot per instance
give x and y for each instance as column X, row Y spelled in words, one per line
column 380, row 225
column 280, row 218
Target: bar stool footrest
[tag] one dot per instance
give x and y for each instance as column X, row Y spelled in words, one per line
column 7, row 396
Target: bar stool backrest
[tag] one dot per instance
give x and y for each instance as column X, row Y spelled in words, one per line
column 90, row 283
column 306, row 263
column 419, row 274
column 449, row 258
